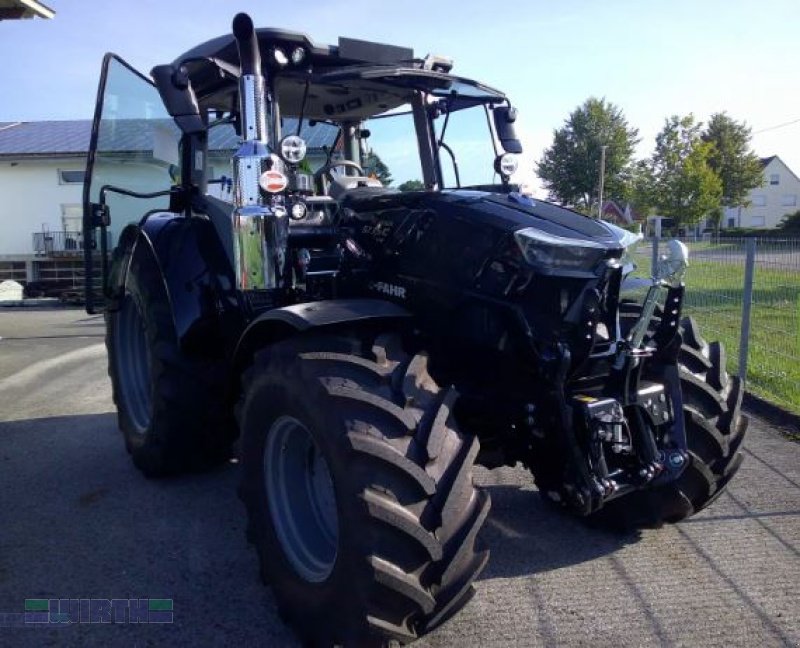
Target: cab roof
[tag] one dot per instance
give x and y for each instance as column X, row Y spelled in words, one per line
column 353, row 80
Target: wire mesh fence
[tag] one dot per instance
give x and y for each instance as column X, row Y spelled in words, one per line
column 724, row 275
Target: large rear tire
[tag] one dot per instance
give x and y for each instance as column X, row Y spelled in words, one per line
column 358, row 489
column 170, row 407
column 715, row 429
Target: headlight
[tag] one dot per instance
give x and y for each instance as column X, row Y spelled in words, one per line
column 280, row 57
column 550, row 251
column 298, row 54
column 293, row 149
column 506, row 165
column 298, row 211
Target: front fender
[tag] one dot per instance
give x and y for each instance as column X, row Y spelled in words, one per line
column 280, row 323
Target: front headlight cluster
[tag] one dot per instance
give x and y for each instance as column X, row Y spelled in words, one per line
column 549, row 251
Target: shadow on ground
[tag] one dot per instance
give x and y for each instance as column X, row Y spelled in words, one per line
column 528, row 536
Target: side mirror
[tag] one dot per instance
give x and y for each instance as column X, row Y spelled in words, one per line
column 504, row 118
column 176, row 92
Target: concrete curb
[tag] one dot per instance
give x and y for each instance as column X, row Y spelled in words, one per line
column 772, row 413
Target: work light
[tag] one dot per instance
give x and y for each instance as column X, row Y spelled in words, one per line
column 293, row 149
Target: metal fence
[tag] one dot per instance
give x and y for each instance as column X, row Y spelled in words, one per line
column 745, row 293
column 62, row 243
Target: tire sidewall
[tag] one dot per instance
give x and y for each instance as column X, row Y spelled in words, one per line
column 137, row 439
column 303, row 398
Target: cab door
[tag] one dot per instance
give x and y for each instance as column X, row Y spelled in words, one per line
column 132, row 163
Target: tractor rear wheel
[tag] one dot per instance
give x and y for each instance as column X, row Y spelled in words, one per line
column 170, row 407
column 358, row 489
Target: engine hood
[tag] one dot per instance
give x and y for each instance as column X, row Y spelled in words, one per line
column 513, row 211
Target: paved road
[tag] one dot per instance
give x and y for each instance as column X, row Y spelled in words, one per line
column 77, row 520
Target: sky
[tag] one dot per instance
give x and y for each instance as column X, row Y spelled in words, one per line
column 652, row 59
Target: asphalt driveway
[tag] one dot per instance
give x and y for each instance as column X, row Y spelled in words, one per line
column 78, row 521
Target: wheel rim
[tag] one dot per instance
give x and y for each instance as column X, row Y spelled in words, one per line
column 133, row 365
column 301, row 499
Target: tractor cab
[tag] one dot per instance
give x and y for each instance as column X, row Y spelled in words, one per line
column 313, row 126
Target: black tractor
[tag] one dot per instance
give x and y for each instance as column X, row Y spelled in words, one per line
column 275, row 293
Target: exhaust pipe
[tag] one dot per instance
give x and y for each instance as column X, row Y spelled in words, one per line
column 260, row 227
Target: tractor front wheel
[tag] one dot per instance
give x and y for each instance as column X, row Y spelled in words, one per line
column 358, row 489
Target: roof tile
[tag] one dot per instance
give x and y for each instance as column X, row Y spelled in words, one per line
column 43, row 138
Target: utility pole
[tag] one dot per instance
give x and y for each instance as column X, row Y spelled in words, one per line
column 602, row 181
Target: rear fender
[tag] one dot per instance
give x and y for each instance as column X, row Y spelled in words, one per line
column 196, row 275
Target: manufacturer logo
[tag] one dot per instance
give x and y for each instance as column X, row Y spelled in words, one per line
column 389, row 289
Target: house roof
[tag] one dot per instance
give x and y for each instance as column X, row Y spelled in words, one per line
column 43, row 139
column 765, row 161
column 21, row 139
column 610, row 207
column 16, row 9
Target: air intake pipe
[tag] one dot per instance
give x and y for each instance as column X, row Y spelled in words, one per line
column 260, row 225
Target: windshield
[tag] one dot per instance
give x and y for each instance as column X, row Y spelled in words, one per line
column 391, row 153
column 466, row 148
column 379, row 99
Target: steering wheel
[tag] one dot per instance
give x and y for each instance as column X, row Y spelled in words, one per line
column 325, row 169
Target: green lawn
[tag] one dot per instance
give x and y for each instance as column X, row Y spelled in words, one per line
column 714, row 298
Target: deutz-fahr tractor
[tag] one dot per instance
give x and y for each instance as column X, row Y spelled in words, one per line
column 269, row 295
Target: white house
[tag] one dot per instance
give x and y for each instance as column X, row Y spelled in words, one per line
column 778, row 195
column 42, row 168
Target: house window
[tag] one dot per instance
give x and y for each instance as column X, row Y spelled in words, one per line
column 731, row 222
column 774, row 179
column 71, row 177
column 757, row 221
column 789, row 200
column 759, row 200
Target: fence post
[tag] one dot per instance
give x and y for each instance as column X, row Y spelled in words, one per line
column 747, row 302
column 654, row 260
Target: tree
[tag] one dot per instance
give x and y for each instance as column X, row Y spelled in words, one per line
column 570, row 168
column 638, row 188
column 733, row 161
column 412, row 185
column 374, row 166
column 684, row 186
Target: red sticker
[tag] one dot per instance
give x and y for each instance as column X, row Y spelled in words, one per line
column 273, row 181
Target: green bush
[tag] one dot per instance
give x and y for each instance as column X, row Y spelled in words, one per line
column 746, row 232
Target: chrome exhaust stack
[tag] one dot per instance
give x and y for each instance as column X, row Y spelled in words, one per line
column 260, row 225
